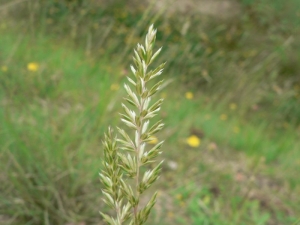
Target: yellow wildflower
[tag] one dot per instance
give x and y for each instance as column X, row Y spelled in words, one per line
column 179, row 196
column 236, row 130
column 223, row 117
column 153, row 140
column 206, row 200
column 193, row 141
column 4, row 68
column 33, row 66
column 233, row 106
column 114, row 87
column 189, row 95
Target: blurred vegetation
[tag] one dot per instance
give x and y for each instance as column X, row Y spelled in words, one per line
column 234, row 84
column 250, row 59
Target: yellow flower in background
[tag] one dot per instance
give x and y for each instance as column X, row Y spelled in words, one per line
column 189, row 95
column 33, row 66
column 233, row 106
column 223, row 117
column 179, row 196
column 4, row 68
column 114, row 87
column 206, row 200
column 193, row 141
column 153, row 140
column 236, row 130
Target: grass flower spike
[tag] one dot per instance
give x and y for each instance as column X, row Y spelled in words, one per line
column 123, row 179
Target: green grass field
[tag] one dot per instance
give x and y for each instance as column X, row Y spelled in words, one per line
column 231, row 112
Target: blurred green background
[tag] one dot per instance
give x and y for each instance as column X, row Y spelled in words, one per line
column 232, row 108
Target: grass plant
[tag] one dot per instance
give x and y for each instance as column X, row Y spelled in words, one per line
column 242, row 111
column 127, row 160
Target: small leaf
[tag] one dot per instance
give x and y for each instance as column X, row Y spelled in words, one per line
column 155, row 55
column 107, row 218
